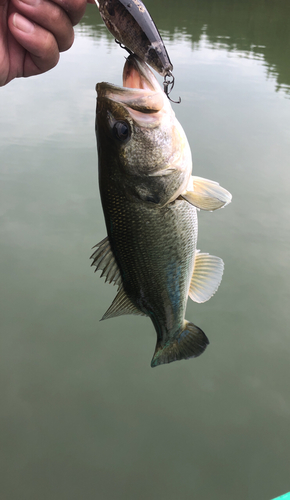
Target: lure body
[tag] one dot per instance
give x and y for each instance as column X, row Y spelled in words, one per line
column 131, row 24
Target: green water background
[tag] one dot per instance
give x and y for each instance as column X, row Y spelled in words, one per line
column 83, row 416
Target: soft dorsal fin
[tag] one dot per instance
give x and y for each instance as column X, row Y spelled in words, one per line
column 206, row 194
column 206, row 278
column 121, row 305
column 104, row 260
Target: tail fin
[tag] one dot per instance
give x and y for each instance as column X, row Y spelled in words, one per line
column 188, row 342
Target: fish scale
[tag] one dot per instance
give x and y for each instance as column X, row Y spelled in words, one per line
column 144, row 258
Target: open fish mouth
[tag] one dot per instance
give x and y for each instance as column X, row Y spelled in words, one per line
column 141, row 91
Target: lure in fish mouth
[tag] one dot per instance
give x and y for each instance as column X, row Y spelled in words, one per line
column 150, row 202
column 134, row 29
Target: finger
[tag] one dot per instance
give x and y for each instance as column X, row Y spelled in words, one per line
column 41, row 46
column 75, row 9
column 49, row 16
column 4, row 54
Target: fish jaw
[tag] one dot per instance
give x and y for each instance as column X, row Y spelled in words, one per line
column 156, row 155
column 141, row 94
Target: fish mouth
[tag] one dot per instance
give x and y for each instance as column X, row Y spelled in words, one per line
column 141, row 92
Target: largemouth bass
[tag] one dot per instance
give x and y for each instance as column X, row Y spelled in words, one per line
column 149, row 200
column 131, row 24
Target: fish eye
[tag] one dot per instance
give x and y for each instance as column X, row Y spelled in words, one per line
column 121, row 130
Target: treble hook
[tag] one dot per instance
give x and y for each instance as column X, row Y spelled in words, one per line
column 169, row 83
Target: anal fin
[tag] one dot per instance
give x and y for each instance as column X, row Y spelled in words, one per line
column 206, row 278
column 206, row 194
column 121, row 305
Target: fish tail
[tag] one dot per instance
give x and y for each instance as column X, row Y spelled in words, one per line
column 188, row 342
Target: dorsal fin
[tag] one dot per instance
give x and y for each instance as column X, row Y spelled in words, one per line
column 206, row 278
column 121, row 305
column 104, row 260
column 206, row 194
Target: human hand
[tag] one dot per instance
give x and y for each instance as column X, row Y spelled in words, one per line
column 33, row 33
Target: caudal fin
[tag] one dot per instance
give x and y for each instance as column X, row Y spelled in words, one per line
column 188, row 342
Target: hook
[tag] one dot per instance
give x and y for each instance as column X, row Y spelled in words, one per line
column 169, row 83
column 123, row 46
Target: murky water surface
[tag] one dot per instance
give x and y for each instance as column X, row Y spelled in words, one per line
column 83, row 416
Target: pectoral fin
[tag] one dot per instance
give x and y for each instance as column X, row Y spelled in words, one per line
column 206, row 278
column 104, row 260
column 206, row 194
column 121, row 305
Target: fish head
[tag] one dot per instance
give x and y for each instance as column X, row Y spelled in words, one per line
column 141, row 145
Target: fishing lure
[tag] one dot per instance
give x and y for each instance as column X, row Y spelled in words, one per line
column 134, row 29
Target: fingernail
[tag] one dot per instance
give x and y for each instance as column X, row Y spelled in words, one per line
column 22, row 23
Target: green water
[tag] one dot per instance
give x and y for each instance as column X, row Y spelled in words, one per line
column 83, row 416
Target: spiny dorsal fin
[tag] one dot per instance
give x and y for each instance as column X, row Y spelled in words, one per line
column 206, row 194
column 121, row 305
column 104, row 260
column 206, row 278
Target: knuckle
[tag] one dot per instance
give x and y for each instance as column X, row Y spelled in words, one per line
column 75, row 10
column 55, row 17
column 61, row 28
column 49, row 50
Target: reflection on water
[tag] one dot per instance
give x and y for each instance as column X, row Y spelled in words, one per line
column 82, row 413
